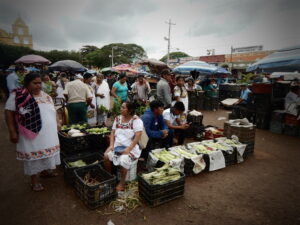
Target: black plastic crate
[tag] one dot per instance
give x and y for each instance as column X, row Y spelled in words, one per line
column 155, row 195
column 188, row 167
column 161, row 189
column 262, row 120
column 98, row 142
column 291, row 130
column 87, row 157
column 97, row 195
column 276, row 127
column 161, row 200
column 249, row 149
column 72, row 145
column 160, row 194
column 211, row 103
column 230, row 159
column 195, row 119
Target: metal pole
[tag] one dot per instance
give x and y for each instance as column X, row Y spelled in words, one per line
column 169, row 39
column 112, row 56
column 231, row 58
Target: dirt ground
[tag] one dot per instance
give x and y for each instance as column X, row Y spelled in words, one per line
column 265, row 189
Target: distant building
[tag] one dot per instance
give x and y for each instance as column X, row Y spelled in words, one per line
column 213, row 59
column 19, row 36
column 243, row 60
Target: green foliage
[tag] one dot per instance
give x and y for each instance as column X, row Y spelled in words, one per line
column 88, row 54
column 246, row 78
column 86, row 49
column 123, row 53
column 9, row 54
column 174, row 55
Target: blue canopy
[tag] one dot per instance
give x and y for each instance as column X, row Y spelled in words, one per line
column 32, row 69
column 201, row 67
column 284, row 60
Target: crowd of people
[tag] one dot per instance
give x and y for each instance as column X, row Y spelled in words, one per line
column 33, row 125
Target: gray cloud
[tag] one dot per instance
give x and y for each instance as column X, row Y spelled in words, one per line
column 58, row 24
column 223, row 18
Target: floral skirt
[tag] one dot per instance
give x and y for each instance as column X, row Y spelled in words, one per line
column 34, row 167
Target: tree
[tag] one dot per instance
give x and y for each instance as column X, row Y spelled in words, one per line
column 123, row 53
column 174, row 55
column 86, row 49
column 9, row 54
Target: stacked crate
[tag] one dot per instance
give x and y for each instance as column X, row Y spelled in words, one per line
column 196, row 100
column 228, row 91
column 246, row 135
column 154, row 195
column 291, row 125
column 277, row 122
column 94, row 196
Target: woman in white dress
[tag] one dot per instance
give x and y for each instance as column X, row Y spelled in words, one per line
column 91, row 110
column 31, row 120
column 180, row 93
column 124, row 149
column 103, row 99
column 60, row 84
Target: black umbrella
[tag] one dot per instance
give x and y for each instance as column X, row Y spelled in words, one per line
column 67, row 65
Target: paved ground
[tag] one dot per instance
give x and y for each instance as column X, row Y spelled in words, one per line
column 263, row 190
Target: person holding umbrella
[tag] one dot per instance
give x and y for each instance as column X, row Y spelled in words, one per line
column 78, row 97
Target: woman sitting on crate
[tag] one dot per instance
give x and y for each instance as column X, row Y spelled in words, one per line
column 124, row 149
column 31, row 121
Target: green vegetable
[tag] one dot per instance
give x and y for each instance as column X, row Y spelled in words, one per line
column 116, row 110
column 162, row 175
column 102, row 109
column 103, row 130
column 184, row 153
column 165, row 156
column 74, row 126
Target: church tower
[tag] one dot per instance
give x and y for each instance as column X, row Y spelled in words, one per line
column 20, row 34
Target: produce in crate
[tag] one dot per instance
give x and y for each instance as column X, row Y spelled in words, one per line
column 74, row 126
column 214, row 130
column 200, row 148
column 103, row 130
column 183, row 153
column 165, row 156
column 80, row 163
column 91, row 181
column 216, row 146
column 195, row 113
column 232, row 142
column 75, row 133
column 162, row 175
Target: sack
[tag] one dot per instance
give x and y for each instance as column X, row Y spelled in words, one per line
column 292, row 109
column 144, row 139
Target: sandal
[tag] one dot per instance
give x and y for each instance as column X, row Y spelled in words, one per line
column 48, row 174
column 37, row 187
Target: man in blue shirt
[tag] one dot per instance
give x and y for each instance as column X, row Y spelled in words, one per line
column 155, row 127
column 244, row 97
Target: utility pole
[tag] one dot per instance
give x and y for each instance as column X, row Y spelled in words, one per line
column 169, row 39
column 231, row 59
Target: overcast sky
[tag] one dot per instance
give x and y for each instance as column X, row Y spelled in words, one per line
column 200, row 24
